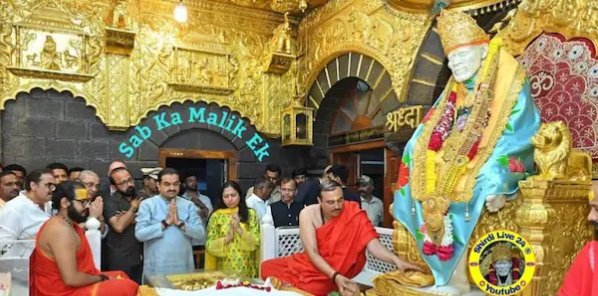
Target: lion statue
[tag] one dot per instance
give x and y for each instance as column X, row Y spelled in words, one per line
column 554, row 156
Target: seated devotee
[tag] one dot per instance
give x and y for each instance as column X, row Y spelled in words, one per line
column 582, row 277
column 167, row 223
column 285, row 212
column 62, row 262
column 335, row 236
column 233, row 234
column 22, row 217
column 260, row 198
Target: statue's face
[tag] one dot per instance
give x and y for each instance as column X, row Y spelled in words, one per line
column 465, row 61
column 503, row 267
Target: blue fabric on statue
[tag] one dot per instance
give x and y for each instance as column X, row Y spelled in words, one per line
column 493, row 179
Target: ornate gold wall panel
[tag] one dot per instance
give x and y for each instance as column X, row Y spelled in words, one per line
column 370, row 27
column 567, row 17
column 215, row 57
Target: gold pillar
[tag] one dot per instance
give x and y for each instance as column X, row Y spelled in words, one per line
column 552, row 217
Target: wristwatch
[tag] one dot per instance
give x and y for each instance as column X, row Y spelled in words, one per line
column 164, row 223
column 180, row 225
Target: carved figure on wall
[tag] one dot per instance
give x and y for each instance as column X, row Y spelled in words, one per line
column 554, row 156
column 50, row 57
column 120, row 19
column 470, row 150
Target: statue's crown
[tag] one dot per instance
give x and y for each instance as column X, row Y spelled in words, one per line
column 501, row 252
column 458, row 29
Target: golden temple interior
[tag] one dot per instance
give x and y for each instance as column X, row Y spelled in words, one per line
column 128, row 58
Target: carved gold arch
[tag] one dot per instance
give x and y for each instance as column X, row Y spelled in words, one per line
column 356, row 50
column 354, row 64
column 369, row 27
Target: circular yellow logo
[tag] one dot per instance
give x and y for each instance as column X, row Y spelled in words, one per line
column 502, row 262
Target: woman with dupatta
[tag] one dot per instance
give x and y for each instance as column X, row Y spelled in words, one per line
column 233, row 235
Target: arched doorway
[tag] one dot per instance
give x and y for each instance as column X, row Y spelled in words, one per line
column 351, row 96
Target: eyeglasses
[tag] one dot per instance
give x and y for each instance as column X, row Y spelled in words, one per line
column 128, row 181
column 51, row 186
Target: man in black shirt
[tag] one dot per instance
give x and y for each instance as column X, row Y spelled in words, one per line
column 122, row 250
column 285, row 212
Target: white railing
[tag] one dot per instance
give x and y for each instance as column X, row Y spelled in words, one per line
column 94, row 237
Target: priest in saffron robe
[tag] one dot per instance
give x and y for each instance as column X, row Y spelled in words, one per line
column 335, row 236
column 62, row 262
column 471, row 149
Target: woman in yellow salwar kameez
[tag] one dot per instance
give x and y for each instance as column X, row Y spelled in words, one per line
column 233, row 235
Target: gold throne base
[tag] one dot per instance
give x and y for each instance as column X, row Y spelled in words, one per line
column 551, row 215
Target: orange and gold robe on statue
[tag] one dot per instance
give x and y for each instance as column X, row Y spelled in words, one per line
column 341, row 242
column 47, row 281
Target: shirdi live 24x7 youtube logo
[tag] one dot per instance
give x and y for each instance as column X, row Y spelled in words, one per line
column 502, row 262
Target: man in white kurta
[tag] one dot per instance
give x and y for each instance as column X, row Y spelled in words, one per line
column 21, row 217
column 166, row 224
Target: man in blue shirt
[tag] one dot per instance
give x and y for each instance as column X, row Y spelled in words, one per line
column 167, row 223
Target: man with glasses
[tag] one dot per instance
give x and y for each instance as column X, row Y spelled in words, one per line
column 22, row 217
column 272, row 174
column 91, row 180
column 285, row 212
column 9, row 187
column 167, row 223
column 335, row 235
column 122, row 251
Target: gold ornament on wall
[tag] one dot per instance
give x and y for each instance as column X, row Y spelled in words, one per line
column 202, row 69
column 42, row 53
column 280, row 51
